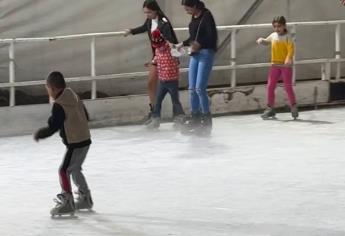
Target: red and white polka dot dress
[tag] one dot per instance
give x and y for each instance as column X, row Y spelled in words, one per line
column 167, row 65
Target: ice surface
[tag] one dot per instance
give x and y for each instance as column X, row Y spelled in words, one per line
column 251, row 178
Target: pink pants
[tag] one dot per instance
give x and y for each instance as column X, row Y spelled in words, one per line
column 276, row 73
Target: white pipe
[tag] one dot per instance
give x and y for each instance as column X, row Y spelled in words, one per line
column 120, row 33
column 93, row 69
column 12, row 75
column 183, row 70
column 338, row 49
column 233, row 59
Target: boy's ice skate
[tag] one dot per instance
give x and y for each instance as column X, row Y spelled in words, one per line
column 268, row 113
column 84, row 201
column 294, row 112
column 64, row 205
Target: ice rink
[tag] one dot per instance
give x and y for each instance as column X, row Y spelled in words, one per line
column 251, row 178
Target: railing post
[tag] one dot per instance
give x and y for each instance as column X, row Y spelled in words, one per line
column 326, row 71
column 93, row 68
column 338, row 49
column 294, row 39
column 233, row 58
column 12, row 74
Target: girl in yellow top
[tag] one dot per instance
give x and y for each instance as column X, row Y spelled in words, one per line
column 282, row 49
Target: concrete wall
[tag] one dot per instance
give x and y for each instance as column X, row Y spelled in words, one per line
column 34, row 18
column 131, row 109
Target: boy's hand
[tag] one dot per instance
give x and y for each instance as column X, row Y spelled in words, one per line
column 40, row 134
column 36, row 136
column 342, row 2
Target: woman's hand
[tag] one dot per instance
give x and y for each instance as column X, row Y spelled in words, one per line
column 176, row 46
column 195, row 47
column 127, row 32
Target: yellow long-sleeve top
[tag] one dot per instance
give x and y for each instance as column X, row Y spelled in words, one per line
column 282, row 47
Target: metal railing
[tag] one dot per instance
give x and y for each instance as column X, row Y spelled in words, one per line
column 233, row 66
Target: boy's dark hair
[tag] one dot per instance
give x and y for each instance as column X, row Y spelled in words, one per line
column 56, row 80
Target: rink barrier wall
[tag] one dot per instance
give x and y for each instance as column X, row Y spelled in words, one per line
column 20, row 120
column 326, row 63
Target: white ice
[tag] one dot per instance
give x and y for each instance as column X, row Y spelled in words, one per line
column 251, row 178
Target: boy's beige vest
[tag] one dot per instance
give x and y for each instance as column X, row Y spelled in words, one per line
column 76, row 123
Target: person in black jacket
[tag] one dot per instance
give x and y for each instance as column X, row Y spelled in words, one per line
column 156, row 19
column 69, row 116
column 202, row 42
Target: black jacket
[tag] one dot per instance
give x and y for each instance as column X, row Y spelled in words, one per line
column 208, row 35
column 164, row 26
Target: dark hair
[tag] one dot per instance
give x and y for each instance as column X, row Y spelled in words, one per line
column 56, row 80
column 280, row 20
column 194, row 3
column 154, row 6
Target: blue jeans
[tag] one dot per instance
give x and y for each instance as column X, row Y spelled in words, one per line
column 200, row 67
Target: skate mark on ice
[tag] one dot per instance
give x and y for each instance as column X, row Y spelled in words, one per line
column 103, row 225
column 312, row 122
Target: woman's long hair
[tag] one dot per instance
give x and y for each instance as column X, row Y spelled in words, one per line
column 154, row 6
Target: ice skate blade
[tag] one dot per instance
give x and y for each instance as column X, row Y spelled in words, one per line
column 86, row 211
column 269, row 118
column 64, row 216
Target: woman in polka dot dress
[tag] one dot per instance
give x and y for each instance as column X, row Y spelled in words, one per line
column 168, row 75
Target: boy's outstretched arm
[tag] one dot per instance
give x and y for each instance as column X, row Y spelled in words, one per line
column 55, row 123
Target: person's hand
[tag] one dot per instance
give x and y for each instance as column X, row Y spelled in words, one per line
column 195, row 47
column 150, row 63
column 179, row 46
column 260, row 41
column 127, row 32
column 288, row 61
column 342, row 2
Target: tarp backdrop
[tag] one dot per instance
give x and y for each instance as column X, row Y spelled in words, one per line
column 36, row 18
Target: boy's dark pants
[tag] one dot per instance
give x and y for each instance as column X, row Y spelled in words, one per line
column 72, row 166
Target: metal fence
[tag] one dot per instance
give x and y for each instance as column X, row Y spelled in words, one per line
column 232, row 66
